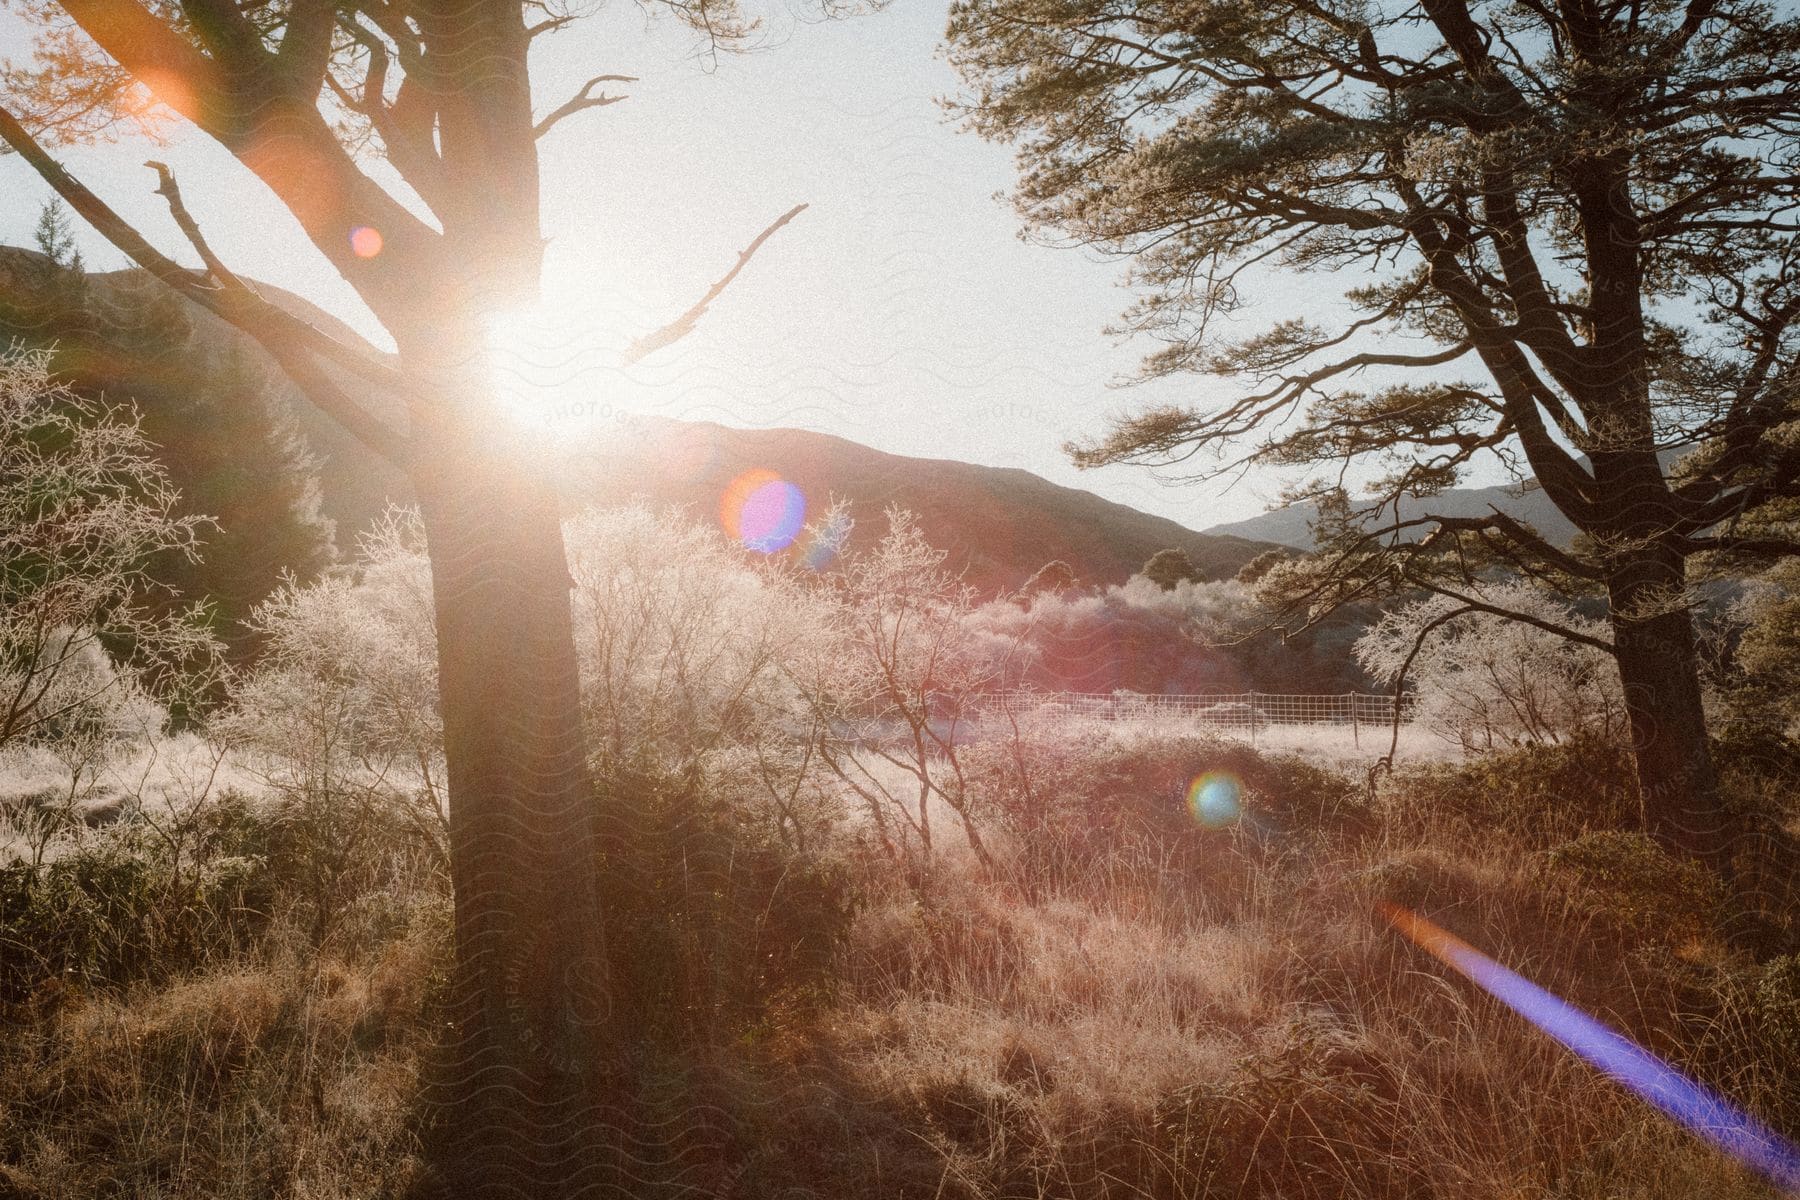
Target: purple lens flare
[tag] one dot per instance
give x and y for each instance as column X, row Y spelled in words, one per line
column 1700, row 1109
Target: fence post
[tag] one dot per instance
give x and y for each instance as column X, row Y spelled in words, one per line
column 1355, row 726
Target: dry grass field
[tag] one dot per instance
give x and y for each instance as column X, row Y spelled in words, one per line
column 1130, row 1002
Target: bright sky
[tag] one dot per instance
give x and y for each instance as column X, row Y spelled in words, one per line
column 900, row 310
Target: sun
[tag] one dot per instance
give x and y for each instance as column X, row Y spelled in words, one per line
column 522, row 355
column 547, row 367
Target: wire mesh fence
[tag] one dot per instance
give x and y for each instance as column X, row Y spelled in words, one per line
column 1224, row 710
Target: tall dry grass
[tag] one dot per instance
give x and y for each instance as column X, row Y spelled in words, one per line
column 1205, row 1012
column 285, row 1074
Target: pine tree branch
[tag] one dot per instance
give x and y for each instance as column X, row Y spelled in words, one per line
column 1475, row 604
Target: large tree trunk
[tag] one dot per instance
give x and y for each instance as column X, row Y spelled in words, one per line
column 530, row 1052
column 1635, row 516
column 1659, row 667
column 529, row 1049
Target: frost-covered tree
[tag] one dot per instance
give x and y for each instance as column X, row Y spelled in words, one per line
column 1053, row 577
column 1486, row 681
column 1551, row 237
column 894, row 680
column 680, row 636
column 1139, row 637
column 85, row 630
column 1197, row 636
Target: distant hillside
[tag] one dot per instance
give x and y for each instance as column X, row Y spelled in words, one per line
column 223, row 424
column 999, row 525
column 100, row 335
column 1292, row 525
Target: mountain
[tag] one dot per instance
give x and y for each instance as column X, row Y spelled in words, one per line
column 997, row 525
column 1291, row 525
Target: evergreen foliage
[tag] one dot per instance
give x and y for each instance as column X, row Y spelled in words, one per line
column 216, row 418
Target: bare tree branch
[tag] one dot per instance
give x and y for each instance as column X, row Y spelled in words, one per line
column 581, row 101
column 683, row 325
column 171, row 191
column 291, row 341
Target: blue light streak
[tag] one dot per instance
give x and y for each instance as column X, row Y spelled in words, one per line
column 1705, row 1112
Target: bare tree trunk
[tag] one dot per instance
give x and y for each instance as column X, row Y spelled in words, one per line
column 530, row 1049
column 1659, row 667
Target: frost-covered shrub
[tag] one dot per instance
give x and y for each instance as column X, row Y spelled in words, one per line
column 1136, row 635
column 1487, row 682
column 92, row 699
column 97, row 715
column 679, row 636
column 890, row 682
column 340, row 718
column 85, row 508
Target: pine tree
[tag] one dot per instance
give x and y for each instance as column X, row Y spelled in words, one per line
column 55, row 237
column 1563, row 239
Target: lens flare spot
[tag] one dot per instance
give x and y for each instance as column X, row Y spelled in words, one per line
column 762, row 511
column 1215, row 799
column 365, row 241
column 156, row 96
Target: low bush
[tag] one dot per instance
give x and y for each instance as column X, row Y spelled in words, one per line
column 150, row 896
column 1540, row 796
column 714, row 927
column 117, row 907
column 344, row 866
column 1636, row 886
column 1749, row 754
